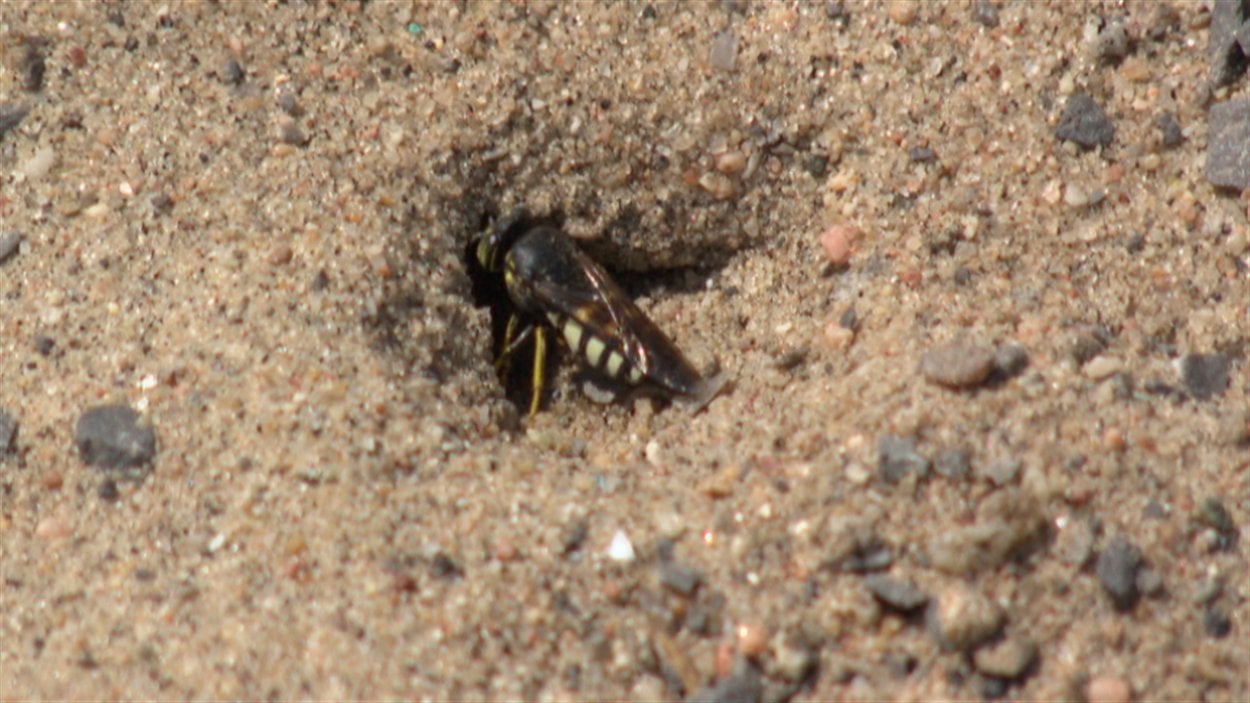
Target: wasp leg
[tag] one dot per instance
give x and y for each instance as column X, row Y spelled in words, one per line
column 538, row 381
column 512, row 341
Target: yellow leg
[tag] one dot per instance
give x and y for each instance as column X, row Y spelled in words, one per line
column 539, row 380
column 512, row 340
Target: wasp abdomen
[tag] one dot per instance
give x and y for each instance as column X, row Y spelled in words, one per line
column 597, row 353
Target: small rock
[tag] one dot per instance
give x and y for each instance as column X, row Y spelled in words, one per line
column 40, row 163
column 108, row 490
column 731, row 162
column 8, row 431
column 1074, row 544
column 1149, row 582
column 574, row 536
column 961, row 618
column 1111, row 42
column 1230, row 42
column 32, row 65
column 752, row 639
column 922, row 154
column 897, row 457
column 958, row 366
column 1108, row 689
column 1117, row 572
column 1002, row 471
column 897, row 594
column 1008, row 659
column 1213, row 514
column 1171, row 129
column 44, row 344
column 1216, row 622
column 54, row 527
column 1010, row 360
column 794, row 662
column 11, row 115
column 1205, row 375
column 1085, row 123
column 904, row 13
column 9, row 243
column 110, row 437
column 1228, row 145
column 232, row 73
column 1088, row 343
column 444, row 567
column 679, row 578
column 953, row 463
column 985, row 13
column 837, row 242
column 1101, row 367
column 724, row 51
column 742, row 686
column 621, row 549
column 717, row 184
column 290, row 133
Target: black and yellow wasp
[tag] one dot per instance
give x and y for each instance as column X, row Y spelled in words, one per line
column 547, row 295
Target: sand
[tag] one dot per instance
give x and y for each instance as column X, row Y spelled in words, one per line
column 960, row 459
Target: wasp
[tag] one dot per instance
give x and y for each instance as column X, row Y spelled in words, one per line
column 548, row 296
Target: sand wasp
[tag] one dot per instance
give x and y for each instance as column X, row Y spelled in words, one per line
column 547, row 296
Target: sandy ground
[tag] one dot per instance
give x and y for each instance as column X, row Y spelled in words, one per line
column 247, row 221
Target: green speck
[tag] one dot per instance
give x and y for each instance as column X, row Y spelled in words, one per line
column 415, row 28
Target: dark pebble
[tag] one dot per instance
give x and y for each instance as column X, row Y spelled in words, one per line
column 849, row 319
column 1216, row 622
column 1010, row 360
column 1229, row 41
column 1172, row 135
column 742, row 686
column 11, row 115
column 985, row 13
column 895, row 593
column 110, row 437
column 1205, row 375
column 232, row 73
column 8, row 431
column 963, row 275
column 922, row 154
column 1211, row 513
column 161, row 202
column 958, row 366
column 1089, row 343
column 1228, row 144
column 290, row 133
column 898, row 457
column 44, row 344
column 817, row 166
column 574, row 536
column 835, row 10
column 288, row 103
column 1112, row 42
column 953, row 463
column 1117, row 571
column 1085, row 123
column 9, row 242
column 32, row 65
column 679, row 578
column 444, row 567
column 108, row 490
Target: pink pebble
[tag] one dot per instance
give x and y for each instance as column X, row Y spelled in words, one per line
column 837, row 241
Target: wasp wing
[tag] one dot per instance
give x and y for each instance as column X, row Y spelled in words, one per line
column 584, row 292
